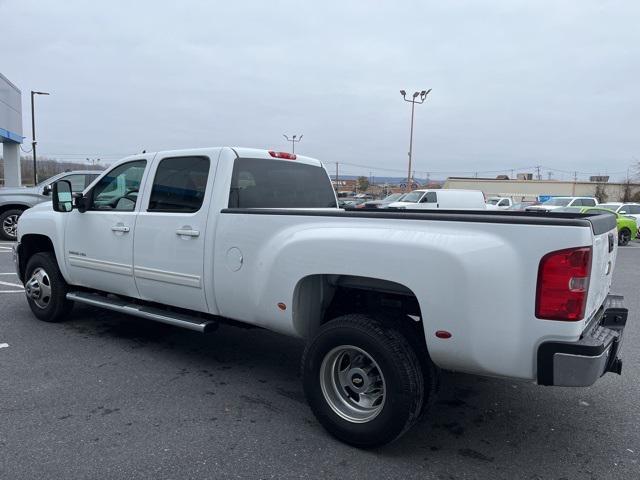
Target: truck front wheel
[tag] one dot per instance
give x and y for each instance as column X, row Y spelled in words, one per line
column 363, row 380
column 46, row 289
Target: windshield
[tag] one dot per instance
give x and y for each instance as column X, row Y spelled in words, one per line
column 558, row 202
column 609, row 206
column 412, row 197
column 394, row 197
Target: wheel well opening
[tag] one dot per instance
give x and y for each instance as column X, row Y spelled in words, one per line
column 30, row 245
column 319, row 298
column 12, row 206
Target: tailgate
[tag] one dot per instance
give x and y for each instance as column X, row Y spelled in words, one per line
column 605, row 248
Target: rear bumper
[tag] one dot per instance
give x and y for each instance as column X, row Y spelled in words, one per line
column 581, row 363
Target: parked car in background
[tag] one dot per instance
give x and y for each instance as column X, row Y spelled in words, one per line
column 630, row 209
column 15, row 200
column 521, row 206
column 563, row 202
column 385, row 202
column 627, row 226
column 442, row 198
column 499, row 203
column 350, row 202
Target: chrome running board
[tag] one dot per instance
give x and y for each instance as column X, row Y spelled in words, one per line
column 151, row 313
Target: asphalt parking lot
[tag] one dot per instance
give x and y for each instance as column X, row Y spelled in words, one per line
column 108, row 396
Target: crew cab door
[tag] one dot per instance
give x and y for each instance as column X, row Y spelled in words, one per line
column 99, row 241
column 170, row 231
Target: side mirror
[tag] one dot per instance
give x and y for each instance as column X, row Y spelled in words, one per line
column 62, row 197
column 46, row 190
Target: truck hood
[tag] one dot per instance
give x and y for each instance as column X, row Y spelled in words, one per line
column 19, row 190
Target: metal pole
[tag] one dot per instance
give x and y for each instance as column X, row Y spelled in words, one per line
column 413, row 107
column 33, row 140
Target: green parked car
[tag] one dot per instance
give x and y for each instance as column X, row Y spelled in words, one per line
column 627, row 226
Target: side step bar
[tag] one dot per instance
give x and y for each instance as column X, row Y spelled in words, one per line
column 118, row 305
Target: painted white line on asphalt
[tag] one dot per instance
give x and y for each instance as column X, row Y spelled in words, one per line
column 4, row 345
column 9, row 284
column 9, row 273
column 11, row 291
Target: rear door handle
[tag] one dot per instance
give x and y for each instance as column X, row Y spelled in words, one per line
column 187, row 232
column 120, row 228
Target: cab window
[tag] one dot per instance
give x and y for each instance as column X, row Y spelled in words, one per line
column 118, row 189
column 179, row 185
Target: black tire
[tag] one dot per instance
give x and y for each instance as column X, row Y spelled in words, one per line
column 624, row 237
column 392, row 356
column 57, row 307
column 8, row 223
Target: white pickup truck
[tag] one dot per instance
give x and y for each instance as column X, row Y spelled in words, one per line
column 384, row 298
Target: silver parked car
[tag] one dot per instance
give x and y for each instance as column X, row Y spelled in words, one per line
column 15, row 200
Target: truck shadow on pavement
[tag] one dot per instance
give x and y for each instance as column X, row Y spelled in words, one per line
column 492, row 423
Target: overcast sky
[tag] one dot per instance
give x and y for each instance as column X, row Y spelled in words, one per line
column 515, row 83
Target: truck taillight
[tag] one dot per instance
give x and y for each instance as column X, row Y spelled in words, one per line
column 563, row 283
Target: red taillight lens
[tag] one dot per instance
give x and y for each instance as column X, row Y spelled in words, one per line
column 285, row 155
column 563, row 283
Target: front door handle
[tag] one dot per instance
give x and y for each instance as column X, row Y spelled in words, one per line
column 120, row 228
column 187, row 232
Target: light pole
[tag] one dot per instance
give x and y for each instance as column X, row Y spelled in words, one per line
column 293, row 141
column 33, row 136
column 419, row 98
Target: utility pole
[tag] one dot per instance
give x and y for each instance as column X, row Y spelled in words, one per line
column 33, row 136
column 549, row 173
column 293, row 141
column 423, row 95
column 337, row 181
column 575, row 180
column 538, row 169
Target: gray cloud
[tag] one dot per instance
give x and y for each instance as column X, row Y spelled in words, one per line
column 514, row 83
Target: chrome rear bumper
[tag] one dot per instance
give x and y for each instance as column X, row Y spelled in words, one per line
column 581, row 363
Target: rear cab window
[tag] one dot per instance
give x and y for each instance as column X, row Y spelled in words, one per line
column 263, row 183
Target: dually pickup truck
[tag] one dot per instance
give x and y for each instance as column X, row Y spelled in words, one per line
column 384, row 299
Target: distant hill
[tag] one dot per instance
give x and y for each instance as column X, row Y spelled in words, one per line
column 47, row 168
column 391, row 180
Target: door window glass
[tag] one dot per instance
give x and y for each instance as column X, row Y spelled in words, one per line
column 118, row 189
column 588, row 202
column 431, row 197
column 179, row 185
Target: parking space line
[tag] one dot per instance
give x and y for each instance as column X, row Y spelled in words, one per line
column 11, row 291
column 9, row 284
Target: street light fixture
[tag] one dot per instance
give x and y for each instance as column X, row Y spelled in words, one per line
column 423, row 96
column 33, row 136
column 295, row 139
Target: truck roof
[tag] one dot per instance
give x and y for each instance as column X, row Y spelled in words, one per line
column 241, row 152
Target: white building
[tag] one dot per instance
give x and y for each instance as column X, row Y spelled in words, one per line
column 532, row 189
column 10, row 130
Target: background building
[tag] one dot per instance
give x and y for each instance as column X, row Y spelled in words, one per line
column 10, row 130
column 521, row 189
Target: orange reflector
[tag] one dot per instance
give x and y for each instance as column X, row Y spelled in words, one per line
column 443, row 334
column 282, row 306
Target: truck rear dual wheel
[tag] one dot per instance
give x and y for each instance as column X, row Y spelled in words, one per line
column 46, row 289
column 363, row 380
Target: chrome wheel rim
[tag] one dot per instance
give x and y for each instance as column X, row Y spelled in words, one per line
column 352, row 384
column 38, row 288
column 625, row 237
column 10, row 224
